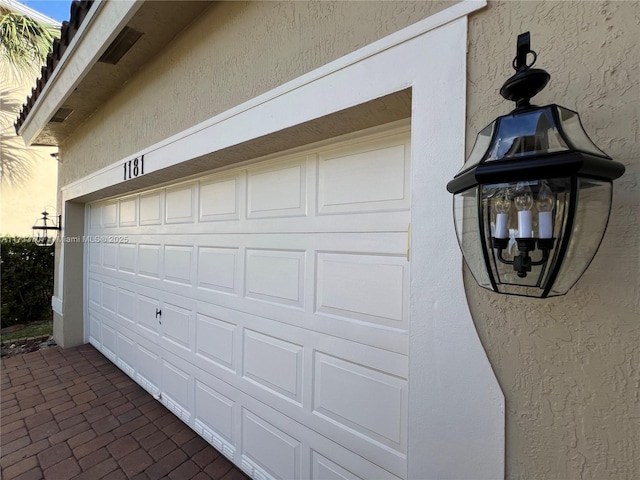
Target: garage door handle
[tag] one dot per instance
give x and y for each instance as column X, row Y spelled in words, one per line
column 158, row 312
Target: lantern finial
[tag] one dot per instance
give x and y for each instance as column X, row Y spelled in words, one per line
column 527, row 82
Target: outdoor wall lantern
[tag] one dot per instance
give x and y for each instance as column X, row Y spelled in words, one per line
column 532, row 201
column 43, row 226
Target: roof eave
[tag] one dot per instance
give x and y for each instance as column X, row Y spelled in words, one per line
column 101, row 25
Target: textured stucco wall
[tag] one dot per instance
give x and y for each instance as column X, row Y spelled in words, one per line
column 22, row 201
column 232, row 53
column 570, row 367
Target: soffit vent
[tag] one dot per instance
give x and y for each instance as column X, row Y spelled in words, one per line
column 61, row 115
column 121, row 45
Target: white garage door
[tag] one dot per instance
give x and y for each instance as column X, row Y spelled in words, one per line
column 267, row 306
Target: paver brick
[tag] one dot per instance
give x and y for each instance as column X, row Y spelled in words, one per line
column 72, row 411
column 53, row 455
column 38, row 419
column 32, row 401
column 105, row 424
column 153, row 440
column 70, row 422
column 205, row 456
column 78, row 388
column 81, row 438
column 19, row 468
column 10, row 427
column 135, row 462
column 68, row 433
column 162, row 449
column 130, row 426
column 84, row 397
column 13, row 435
column 67, row 468
column 218, row 468
column 192, row 446
column 18, row 416
column 23, row 453
column 6, row 411
column 44, row 431
column 145, row 431
column 116, row 475
column 123, row 446
column 15, row 445
column 94, row 458
column 92, row 445
column 27, row 392
column 96, row 413
column 166, row 464
column 185, row 471
column 99, row 470
column 33, row 474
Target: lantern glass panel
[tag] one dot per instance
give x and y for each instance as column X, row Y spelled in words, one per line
column 480, row 147
column 574, row 130
column 465, row 214
column 544, row 221
column 525, row 134
column 590, row 222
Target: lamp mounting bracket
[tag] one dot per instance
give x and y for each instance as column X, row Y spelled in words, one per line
column 526, row 82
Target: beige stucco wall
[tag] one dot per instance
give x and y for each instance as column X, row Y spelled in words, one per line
column 568, row 366
column 232, row 53
column 35, row 188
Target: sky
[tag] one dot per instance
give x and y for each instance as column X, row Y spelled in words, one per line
column 56, row 9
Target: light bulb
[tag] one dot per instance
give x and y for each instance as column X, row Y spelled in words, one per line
column 524, row 201
column 502, row 205
column 545, row 203
column 523, row 197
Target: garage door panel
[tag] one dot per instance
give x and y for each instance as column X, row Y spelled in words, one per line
column 128, row 212
column 214, row 418
column 146, row 313
column 152, row 208
column 179, row 264
column 219, row 269
column 126, row 353
column 274, row 364
column 126, row 254
column 108, row 297
column 109, row 341
column 215, row 341
column 126, row 306
column 177, row 391
column 176, row 325
column 267, row 449
column 277, row 190
column 275, row 276
column 357, row 397
column 369, row 178
column 220, row 199
column 109, row 255
column 148, row 367
column 179, row 204
column 95, row 331
column 382, row 281
column 110, row 215
column 149, row 260
column 323, row 468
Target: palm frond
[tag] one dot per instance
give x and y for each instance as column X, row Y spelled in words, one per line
column 24, row 42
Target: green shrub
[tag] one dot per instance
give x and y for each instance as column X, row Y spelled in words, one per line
column 26, row 285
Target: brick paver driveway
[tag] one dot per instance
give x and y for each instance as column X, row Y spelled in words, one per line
column 73, row 414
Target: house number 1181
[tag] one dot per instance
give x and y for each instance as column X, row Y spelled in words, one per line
column 133, row 168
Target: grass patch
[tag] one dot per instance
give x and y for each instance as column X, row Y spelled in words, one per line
column 30, row 330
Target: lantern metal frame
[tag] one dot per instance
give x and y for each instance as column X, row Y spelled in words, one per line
column 513, row 151
column 46, row 225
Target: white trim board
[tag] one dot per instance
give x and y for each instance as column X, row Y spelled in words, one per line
column 456, row 408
